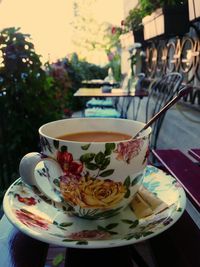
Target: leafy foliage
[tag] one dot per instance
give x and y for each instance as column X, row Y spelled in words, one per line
column 58, row 259
column 134, row 18
column 149, row 6
column 86, row 70
column 26, row 100
column 66, row 81
column 67, row 74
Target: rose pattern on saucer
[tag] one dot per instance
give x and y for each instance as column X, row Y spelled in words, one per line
column 90, row 235
column 31, row 220
column 26, row 200
column 45, row 220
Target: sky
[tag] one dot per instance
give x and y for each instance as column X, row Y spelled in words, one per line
column 48, row 22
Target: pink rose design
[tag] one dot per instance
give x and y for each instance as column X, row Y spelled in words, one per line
column 26, row 200
column 90, row 235
column 31, row 220
column 128, row 150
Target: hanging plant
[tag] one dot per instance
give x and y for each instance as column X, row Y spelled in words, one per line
column 134, row 20
column 169, row 17
column 148, row 6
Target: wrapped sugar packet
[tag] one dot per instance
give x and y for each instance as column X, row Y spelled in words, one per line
column 140, row 207
column 145, row 203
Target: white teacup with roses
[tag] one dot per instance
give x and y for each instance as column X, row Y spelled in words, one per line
column 91, row 180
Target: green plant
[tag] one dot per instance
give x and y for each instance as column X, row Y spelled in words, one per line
column 148, row 6
column 134, row 20
column 26, row 101
column 67, row 75
column 86, row 70
column 66, row 82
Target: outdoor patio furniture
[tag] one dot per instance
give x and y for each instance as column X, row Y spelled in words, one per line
column 161, row 91
column 195, row 153
column 185, row 235
column 96, row 102
column 183, row 168
column 97, row 83
column 131, row 84
column 115, row 93
column 102, row 112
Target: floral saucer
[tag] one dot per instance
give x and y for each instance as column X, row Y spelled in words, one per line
column 40, row 218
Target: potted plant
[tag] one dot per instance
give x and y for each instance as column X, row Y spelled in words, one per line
column 194, row 10
column 134, row 22
column 149, row 26
column 148, row 6
column 170, row 18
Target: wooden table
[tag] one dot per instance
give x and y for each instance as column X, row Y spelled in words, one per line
column 195, row 153
column 117, row 93
column 183, row 239
column 184, row 169
column 98, row 83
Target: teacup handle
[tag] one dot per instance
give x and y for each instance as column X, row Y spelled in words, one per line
column 43, row 181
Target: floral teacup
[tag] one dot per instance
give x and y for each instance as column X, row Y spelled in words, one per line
column 93, row 180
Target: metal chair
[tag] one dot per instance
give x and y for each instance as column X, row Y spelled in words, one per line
column 160, row 93
column 132, row 83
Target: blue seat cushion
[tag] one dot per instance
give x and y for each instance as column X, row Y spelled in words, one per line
column 94, row 102
column 102, row 112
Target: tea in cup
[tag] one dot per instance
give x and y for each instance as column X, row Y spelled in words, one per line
column 92, row 165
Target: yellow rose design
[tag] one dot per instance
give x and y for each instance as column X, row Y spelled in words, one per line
column 92, row 193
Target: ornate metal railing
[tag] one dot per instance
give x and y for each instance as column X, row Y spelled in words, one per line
column 180, row 54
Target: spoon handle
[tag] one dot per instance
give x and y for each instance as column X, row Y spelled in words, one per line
column 180, row 94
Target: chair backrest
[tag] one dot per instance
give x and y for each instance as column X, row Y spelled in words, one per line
column 160, row 93
column 132, row 83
